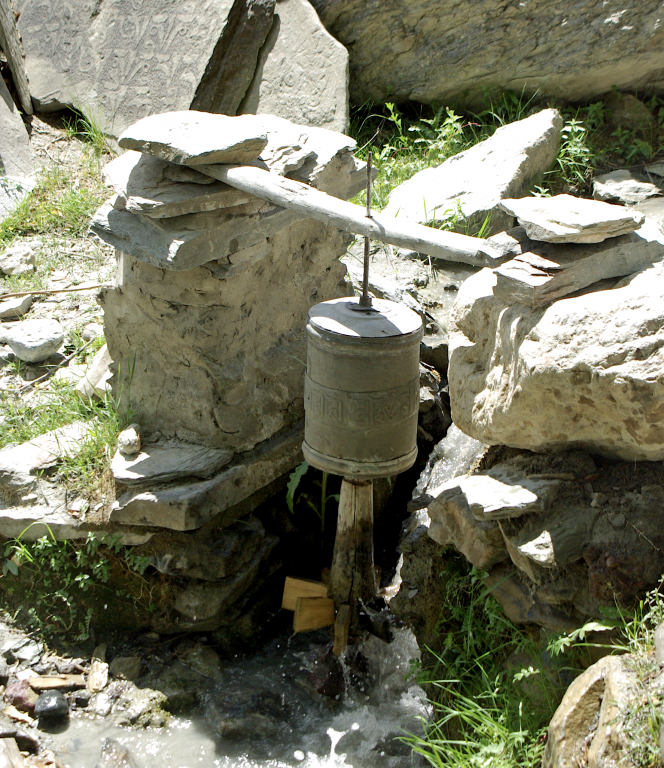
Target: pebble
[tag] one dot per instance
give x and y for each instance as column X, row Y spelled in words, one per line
column 129, row 440
column 101, row 705
column 21, row 696
column 13, row 308
column 52, row 705
column 33, row 341
column 92, row 331
column 18, row 260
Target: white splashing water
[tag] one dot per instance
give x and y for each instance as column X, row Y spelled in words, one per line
column 358, row 733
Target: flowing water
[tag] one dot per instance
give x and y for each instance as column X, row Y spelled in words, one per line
column 265, row 712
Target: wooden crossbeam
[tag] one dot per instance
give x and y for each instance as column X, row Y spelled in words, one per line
column 313, row 613
column 294, row 588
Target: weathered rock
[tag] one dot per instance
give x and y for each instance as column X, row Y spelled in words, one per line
column 230, row 236
column 26, row 742
column 126, row 667
column 206, row 369
column 181, row 56
column 98, row 675
column 33, row 341
column 141, row 707
column 52, row 705
column 13, row 191
column 622, row 187
column 114, row 755
column 21, row 696
column 16, row 155
column 13, row 308
column 545, row 272
column 575, row 719
column 567, row 219
column 187, row 507
column 626, row 111
column 652, row 209
column 189, row 137
column 129, row 440
column 582, row 372
column 384, row 288
column 453, row 523
column 659, row 643
column 204, row 660
column 169, row 461
column 94, row 383
column 507, row 163
column 18, row 260
column 145, row 185
column 22, row 649
column 92, row 331
column 19, row 464
column 445, row 52
column 302, row 71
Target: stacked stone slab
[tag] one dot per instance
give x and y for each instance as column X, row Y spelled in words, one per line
column 209, row 349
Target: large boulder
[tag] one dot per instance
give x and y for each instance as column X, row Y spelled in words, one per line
column 443, row 50
column 587, row 371
column 119, row 61
column 474, row 182
column 302, row 71
column 16, row 155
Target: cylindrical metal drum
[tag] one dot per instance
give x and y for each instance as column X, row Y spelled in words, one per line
column 361, row 391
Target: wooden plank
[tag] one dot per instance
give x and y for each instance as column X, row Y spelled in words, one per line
column 10, row 42
column 558, row 270
column 352, row 575
column 56, row 682
column 313, row 613
column 349, row 217
column 341, row 630
column 294, row 588
column 10, row 756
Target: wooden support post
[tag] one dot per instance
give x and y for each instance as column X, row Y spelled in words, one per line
column 341, row 630
column 352, row 575
column 10, row 42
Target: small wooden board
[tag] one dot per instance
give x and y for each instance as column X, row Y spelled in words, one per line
column 10, row 756
column 294, row 588
column 313, row 613
column 56, row 682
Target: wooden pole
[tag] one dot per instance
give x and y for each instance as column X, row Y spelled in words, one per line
column 349, row 217
column 10, row 42
column 352, row 574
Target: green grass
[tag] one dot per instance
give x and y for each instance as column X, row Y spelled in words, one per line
column 493, row 687
column 61, row 204
column 407, row 140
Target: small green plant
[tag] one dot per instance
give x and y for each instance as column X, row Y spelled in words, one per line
column 57, row 582
column 88, row 129
column 319, row 508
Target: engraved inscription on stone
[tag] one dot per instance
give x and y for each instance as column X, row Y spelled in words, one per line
column 119, row 60
column 360, row 409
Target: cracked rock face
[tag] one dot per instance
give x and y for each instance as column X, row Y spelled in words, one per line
column 586, row 372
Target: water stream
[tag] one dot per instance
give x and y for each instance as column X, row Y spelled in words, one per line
column 264, row 712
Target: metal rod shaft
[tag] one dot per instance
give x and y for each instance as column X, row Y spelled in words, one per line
column 365, row 299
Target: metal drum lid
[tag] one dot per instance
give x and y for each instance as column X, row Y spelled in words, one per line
column 385, row 319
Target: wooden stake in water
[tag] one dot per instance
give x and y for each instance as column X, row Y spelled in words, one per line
column 365, row 299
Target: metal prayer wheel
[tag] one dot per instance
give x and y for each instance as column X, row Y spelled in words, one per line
column 361, row 391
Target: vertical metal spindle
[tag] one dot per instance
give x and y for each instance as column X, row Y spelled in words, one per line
column 365, row 299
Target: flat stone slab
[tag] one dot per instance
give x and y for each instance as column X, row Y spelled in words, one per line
column 33, row 341
column 622, row 187
column 95, row 381
column 160, row 189
column 501, row 494
column 169, row 461
column 16, row 155
column 302, row 71
column 186, row 242
column 194, row 138
column 186, row 507
column 474, row 182
column 13, row 308
column 567, row 219
column 20, row 463
column 546, row 272
column 119, row 63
